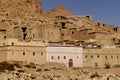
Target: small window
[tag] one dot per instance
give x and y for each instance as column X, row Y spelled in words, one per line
column 33, row 35
column 41, row 53
column 86, row 56
column 62, row 34
column 58, row 57
column 77, row 57
column 112, row 57
column 12, row 43
column 52, row 57
column 98, row 56
column 33, row 53
column 73, row 32
column 23, row 53
column 91, row 56
column 5, row 37
column 117, row 57
column 64, row 57
column 106, row 57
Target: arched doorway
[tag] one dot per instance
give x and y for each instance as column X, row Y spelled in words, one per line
column 70, row 63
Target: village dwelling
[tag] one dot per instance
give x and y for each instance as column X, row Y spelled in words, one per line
column 13, row 50
column 69, row 55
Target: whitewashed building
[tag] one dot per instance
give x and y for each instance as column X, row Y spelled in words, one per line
column 70, row 56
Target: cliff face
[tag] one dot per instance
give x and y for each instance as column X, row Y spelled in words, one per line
column 18, row 3
column 18, row 8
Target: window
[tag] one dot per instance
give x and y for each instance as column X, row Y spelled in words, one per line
column 64, row 57
column 73, row 32
column 23, row 53
column 91, row 56
column 33, row 53
column 62, row 34
column 98, row 56
column 98, row 24
column 117, row 57
column 77, row 57
column 5, row 37
column 12, row 43
column 41, row 53
column 85, row 56
column 63, row 24
column 106, row 57
column 111, row 56
column 52, row 57
column 33, row 35
column 58, row 57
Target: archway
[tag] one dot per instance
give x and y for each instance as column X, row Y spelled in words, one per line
column 70, row 63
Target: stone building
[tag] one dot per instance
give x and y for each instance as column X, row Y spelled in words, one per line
column 100, row 58
column 70, row 56
column 13, row 50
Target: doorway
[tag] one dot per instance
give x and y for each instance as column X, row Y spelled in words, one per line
column 70, row 63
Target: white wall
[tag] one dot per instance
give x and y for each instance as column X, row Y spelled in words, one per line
column 74, row 53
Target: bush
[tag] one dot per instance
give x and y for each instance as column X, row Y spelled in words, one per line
column 31, row 65
column 17, row 65
column 117, row 66
column 38, row 70
column 6, row 66
column 107, row 66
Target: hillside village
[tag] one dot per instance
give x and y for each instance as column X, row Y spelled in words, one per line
column 29, row 33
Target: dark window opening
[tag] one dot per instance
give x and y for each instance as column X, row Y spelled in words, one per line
column 106, row 57
column 62, row 34
column 24, row 29
column 12, row 43
column 5, row 37
column 64, row 57
column 33, row 35
column 24, row 36
column 52, row 57
column 103, row 24
column 88, row 16
column 23, row 53
column 63, row 25
column 73, row 32
column 113, row 39
column 91, row 56
column 33, row 53
column 41, row 53
column 98, row 56
column 111, row 56
column 115, row 29
column 77, row 57
column 86, row 56
column 58, row 57
column 117, row 57
column 98, row 24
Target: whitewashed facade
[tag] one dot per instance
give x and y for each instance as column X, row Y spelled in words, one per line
column 70, row 56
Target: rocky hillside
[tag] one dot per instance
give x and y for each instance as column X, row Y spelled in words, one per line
column 52, row 71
